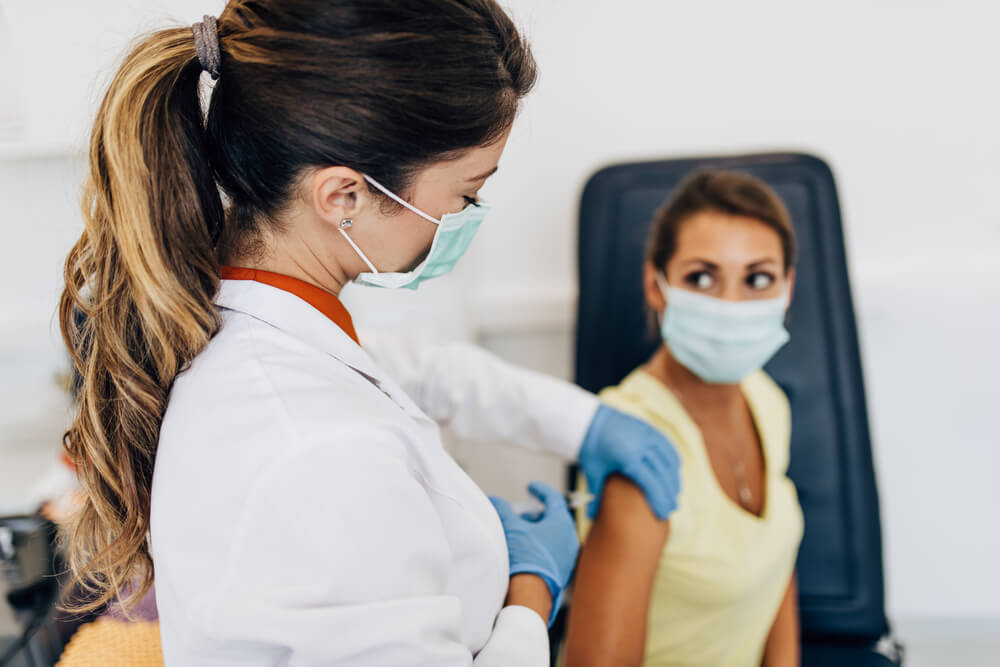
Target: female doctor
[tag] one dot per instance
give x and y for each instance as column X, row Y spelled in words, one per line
column 286, row 480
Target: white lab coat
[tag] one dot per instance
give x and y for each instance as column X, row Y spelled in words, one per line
column 304, row 511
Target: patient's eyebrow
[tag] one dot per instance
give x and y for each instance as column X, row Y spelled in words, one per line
column 483, row 176
column 762, row 262
column 711, row 265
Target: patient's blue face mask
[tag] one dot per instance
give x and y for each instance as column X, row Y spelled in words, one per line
column 721, row 341
column 454, row 234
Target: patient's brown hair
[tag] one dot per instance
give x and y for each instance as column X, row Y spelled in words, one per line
column 727, row 192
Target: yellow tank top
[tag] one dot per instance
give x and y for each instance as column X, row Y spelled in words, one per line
column 724, row 571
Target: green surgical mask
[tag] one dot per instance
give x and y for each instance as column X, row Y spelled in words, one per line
column 454, row 234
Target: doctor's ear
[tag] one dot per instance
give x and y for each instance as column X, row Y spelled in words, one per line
column 337, row 193
column 655, row 300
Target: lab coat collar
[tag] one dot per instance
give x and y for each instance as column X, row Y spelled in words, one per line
column 292, row 314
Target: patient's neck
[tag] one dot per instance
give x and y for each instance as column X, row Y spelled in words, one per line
column 690, row 389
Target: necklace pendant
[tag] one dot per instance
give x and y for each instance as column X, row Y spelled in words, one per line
column 745, row 496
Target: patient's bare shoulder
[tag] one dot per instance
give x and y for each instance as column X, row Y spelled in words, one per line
column 618, row 563
column 625, row 513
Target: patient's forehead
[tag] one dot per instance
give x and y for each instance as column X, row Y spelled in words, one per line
column 726, row 240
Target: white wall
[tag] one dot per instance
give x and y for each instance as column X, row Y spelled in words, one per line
column 900, row 97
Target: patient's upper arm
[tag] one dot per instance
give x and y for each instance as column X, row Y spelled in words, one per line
column 618, row 563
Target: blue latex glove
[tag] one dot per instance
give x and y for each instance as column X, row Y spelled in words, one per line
column 544, row 544
column 617, row 443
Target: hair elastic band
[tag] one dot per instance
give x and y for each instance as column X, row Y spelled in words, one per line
column 206, row 44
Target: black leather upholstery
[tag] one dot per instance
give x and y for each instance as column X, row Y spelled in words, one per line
column 843, row 654
column 840, row 561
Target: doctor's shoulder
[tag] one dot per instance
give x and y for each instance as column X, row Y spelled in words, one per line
column 260, row 390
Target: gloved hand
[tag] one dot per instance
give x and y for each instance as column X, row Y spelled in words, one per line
column 622, row 444
column 544, row 544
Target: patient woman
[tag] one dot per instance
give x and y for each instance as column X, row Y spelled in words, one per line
column 714, row 585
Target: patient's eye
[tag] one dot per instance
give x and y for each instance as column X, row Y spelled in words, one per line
column 700, row 279
column 760, row 280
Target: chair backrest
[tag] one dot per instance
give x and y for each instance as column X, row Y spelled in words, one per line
column 840, row 560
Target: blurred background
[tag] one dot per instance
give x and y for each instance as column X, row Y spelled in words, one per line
column 901, row 98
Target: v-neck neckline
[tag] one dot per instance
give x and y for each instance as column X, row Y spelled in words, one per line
column 689, row 424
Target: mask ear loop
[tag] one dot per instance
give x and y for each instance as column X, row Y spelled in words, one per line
column 661, row 282
column 345, row 224
column 399, row 200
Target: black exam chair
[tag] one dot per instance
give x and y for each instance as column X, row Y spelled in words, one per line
column 840, row 562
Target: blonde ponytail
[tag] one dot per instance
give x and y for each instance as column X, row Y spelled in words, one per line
column 137, row 305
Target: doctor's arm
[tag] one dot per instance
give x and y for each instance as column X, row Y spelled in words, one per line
column 343, row 560
column 480, row 396
column 614, row 580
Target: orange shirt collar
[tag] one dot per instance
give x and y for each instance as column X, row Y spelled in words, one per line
column 321, row 300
